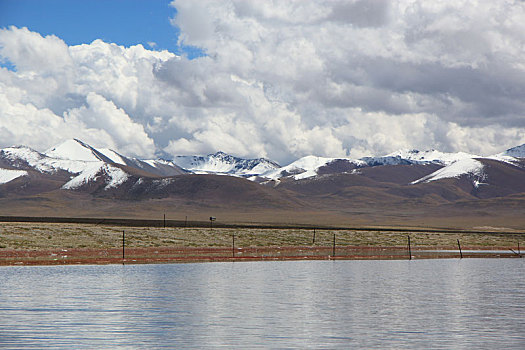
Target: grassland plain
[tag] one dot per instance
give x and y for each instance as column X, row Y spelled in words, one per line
column 60, row 243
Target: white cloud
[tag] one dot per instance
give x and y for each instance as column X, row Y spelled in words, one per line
column 60, row 92
column 30, row 52
column 26, row 124
column 282, row 79
column 126, row 135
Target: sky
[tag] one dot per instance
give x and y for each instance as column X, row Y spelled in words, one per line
column 277, row 79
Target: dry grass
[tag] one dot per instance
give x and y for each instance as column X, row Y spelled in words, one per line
column 42, row 236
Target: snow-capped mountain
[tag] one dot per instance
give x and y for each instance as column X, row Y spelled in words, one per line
column 515, row 152
column 61, row 159
column 77, row 150
column 430, row 156
column 86, row 164
column 466, row 166
column 21, row 157
column 82, row 162
column 455, row 164
column 222, row 163
column 74, row 178
column 513, row 155
column 306, row 167
column 311, row 166
column 79, row 165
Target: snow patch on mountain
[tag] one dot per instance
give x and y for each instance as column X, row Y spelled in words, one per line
column 112, row 155
column 18, row 155
column 89, row 173
column 511, row 156
column 7, row 175
column 116, row 176
column 155, row 163
column 40, row 162
column 309, row 166
column 305, row 167
column 222, row 163
column 501, row 157
column 386, row 160
column 431, row 156
column 515, row 152
column 456, row 169
column 74, row 150
column 94, row 170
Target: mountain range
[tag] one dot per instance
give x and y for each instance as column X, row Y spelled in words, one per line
column 407, row 187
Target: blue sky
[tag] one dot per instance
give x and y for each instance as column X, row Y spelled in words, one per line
column 124, row 22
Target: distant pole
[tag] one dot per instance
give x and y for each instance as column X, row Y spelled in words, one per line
column 460, row 253
column 164, row 220
column 333, row 247
column 233, row 245
column 123, row 245
column 186, row 221
column 409, row 249
column 519, row 252
column 313, row 240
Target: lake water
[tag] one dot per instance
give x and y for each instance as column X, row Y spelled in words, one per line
column 439, row 304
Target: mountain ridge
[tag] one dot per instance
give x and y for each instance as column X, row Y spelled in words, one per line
column 77, row 157
column 407, row 185
column 103, row 172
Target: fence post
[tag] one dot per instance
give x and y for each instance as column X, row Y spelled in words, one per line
column 333, row 247
column 409, row 249
column 123, row 246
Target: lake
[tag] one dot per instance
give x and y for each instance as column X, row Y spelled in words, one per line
column 439, row 304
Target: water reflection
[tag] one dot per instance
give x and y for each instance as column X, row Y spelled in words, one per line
column 311, row 304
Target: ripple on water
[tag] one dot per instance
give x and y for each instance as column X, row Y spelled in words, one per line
column 476, row 303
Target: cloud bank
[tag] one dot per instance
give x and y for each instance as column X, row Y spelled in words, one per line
column 281, row 79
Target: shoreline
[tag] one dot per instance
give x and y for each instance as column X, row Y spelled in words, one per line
column 41, row 243
column 163, row 255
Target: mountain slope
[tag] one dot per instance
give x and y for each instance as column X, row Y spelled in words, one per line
column 515, row 152
column 405, row 186
column 311, row 166
column 222, row 163
column 432, row 156
column 7, row 175
column 77, row 150
column 456, row 169
column 424, row 176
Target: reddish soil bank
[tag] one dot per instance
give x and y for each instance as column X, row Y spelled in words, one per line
column 185, row 255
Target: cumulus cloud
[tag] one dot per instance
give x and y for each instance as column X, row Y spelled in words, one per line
column 60, row 92
column 282, row 79
column 29, row 51
column 126, row 135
